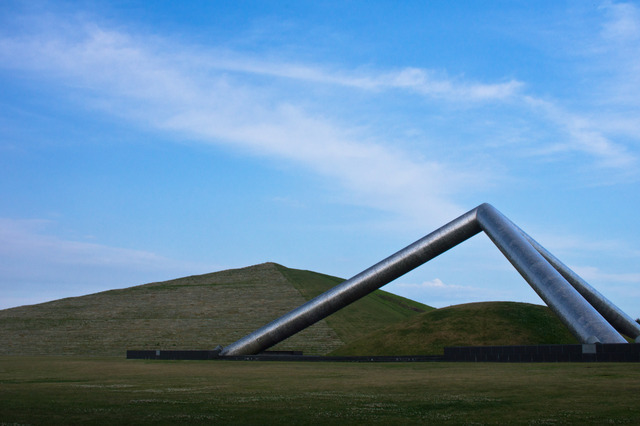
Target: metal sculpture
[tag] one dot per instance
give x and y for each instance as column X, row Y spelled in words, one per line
column 580, row 307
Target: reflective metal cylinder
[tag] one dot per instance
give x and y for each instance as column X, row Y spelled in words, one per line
column 360, row 285
column 616, row 317
column 561, row 289
column 574, row 311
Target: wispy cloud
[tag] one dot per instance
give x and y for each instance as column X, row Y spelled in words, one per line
column 474, row 133
column 593, row 114
column 158, row 87
column 436, row 283
column 614, row 53
column 591, row 273
column 622, row 288
column 623, row 22
column 427, row 83
column 562, row 243
column 581, row 136
column 411, row 79
column 437, row 293
column 27, row 241
column 32, row 255
column 199, row 93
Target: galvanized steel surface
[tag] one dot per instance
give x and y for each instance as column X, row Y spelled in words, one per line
column 582, row 319
column 540, row 272
column 360, row 285
column 616, row 317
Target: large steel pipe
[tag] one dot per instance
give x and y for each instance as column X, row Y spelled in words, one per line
column 614, row 315
column 355, row 288
column 551, row 279
column 582, row 319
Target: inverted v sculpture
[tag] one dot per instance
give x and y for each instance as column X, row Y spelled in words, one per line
column 590, row 317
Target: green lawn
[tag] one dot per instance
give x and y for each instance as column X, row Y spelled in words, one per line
column 57, row 390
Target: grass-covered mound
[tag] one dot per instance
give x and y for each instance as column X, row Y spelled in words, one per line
column 373, row 312
column 473, row 324
column 197, row 312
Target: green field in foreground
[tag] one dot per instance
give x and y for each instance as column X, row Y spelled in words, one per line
column 57, row 390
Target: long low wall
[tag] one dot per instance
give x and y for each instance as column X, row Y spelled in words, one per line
column 172, row 355
column 613, row 352
column 273, row 356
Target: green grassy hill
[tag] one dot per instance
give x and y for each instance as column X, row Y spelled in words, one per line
column 203, row 311
column 373, row 312
column 197, row 312
column 473, row 324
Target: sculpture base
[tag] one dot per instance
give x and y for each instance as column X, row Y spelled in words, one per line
column 613, row 352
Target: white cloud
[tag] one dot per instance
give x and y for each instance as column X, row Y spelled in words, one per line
column 51, row 267
column 411, row 79
column 426, row 83
column 593, row 112
column 436, row 283
column 438, row 294
column 623, row 23
column 156, row 84
column 615, row 54
column 591, row 273
column 622, row 288
column 27, row 241
column 581, row 136
column 562, row 243
column 199, row 93
column 33, row 258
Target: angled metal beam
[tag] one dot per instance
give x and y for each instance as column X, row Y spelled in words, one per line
column 565, row 301
column 582, row 319
column 396, row 265
column 614, row 315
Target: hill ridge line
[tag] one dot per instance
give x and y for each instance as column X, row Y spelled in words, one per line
column 194, row 312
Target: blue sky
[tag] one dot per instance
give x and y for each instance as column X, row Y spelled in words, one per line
column 141, row 143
